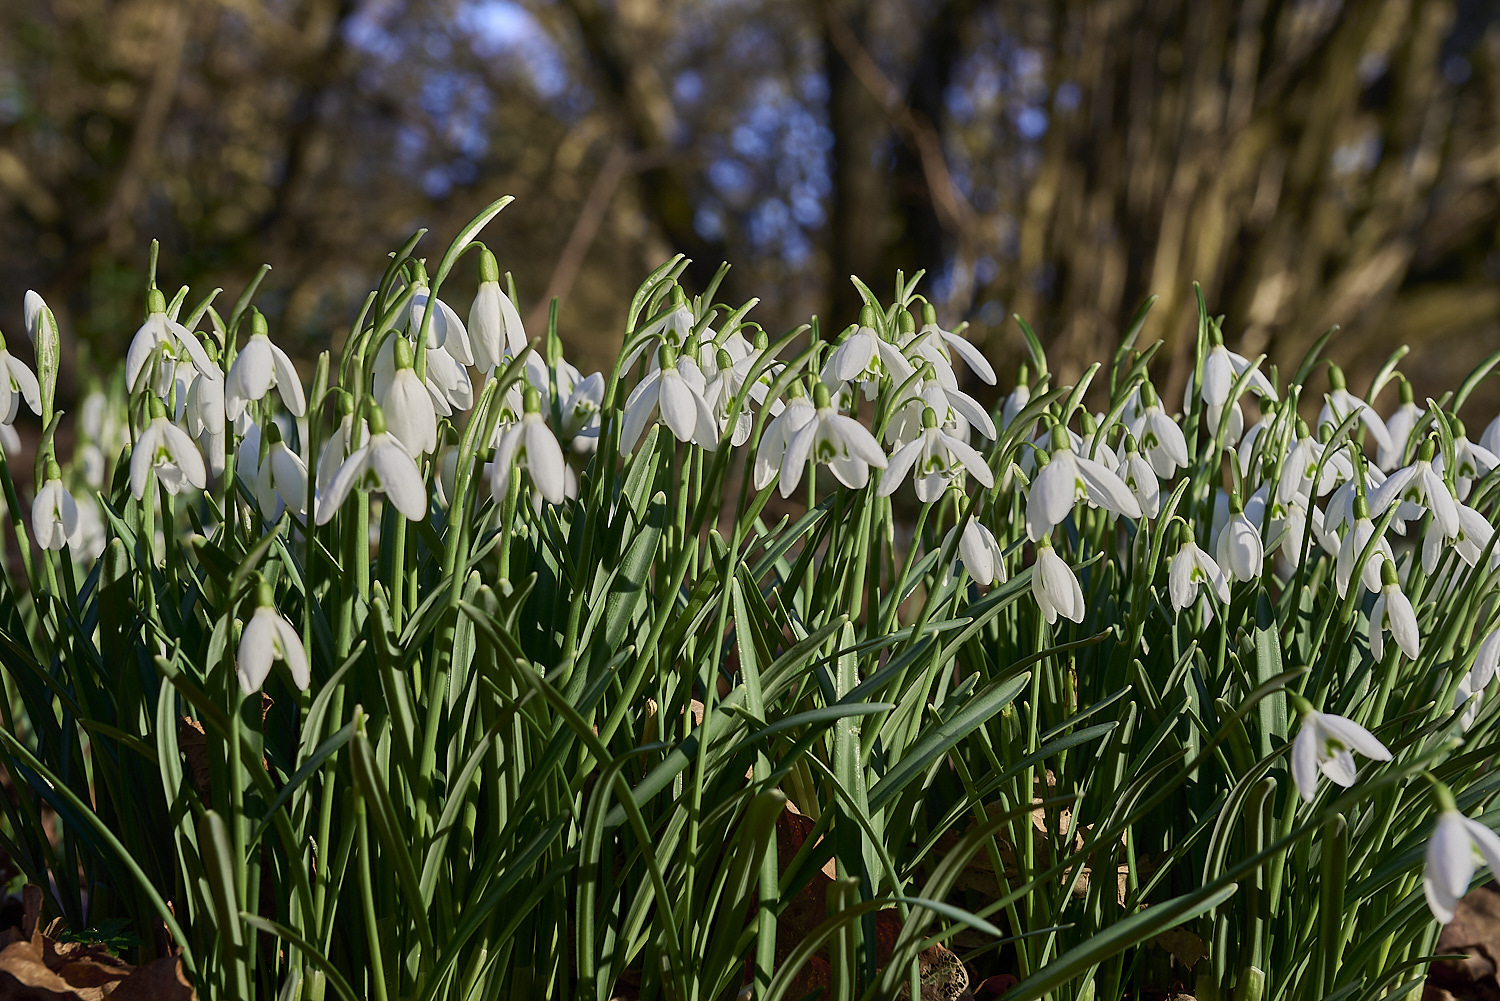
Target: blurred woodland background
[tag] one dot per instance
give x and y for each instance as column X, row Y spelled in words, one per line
column 1310, row 162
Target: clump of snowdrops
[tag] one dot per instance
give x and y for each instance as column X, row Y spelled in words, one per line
column 452, row 672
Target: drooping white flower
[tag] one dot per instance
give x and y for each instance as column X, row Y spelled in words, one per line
column 1399, row 429
column 1353, row 546
column 281, row 480
column 1474, row 532
column 445, row 329
column 1340, row 403
column 1470, row 461
column 1324, row 743
column 380, row 464
column 10, row 442
column 979, row 553
column 1392, row 610
column 1421, row 486
column 17, row 384
column 956, row 410
column 1161, row 440
column 1190, row 568
column 672, row 329
column 1468, row 696
column 1069, row 478
column 531, row 444
column 495, row 329
column 258, row 367
column 54, row 513
column 676, row 389
column 1017, row 399
column 167, row 449
column 723, row 384
column 781, row 430
column 1457, row 845
column 408, row 406
column 1240, row 551
column 1054, row 585
column 267, row 638
column 938, row 459
column 842, row 443
column 1486, row 660
column 932, row 343
column 1140, row 477
column 1220, row 370
column 161, row 333
column 205, row 418
column 580, row 400
column 866, row 357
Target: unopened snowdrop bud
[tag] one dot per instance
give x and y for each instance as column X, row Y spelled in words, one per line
column 495, row 328
column 408, row 406
column 54, row 514
column 1324, row 743
column 1401, row 425
column 1192, row 567
column 380, row 464
column 165, row 448
column 46, row 342
column 980, row 554
column 531, row 444
column 281, row 481
column 1457, row 846
column 1392, row 610
column 1054, row 585
column 267, row 638
column 258, row 368
column 1140, row 477
column 1486, row 660
column 17, row 384
column 1240, row 551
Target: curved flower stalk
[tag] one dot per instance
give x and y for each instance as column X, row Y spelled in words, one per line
column 530, row 444
column 267, row 638
column 166, row 449
column 1454, row 851
column 830, row 438
column 382, row 464
column 495, row 329
column 54, row 513
column 1325, row 743
column 259, row 367
column 1392, row 611
column 938, row 460
column 1054, row 585
column 677, row 393
column 1069, row 478
column 163, row 338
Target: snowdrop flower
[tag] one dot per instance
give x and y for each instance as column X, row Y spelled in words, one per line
column 530, row 443
column 166, row 449
column 1324, row 743
column 1420, row 485
column 204, row 415
column 979, row 553
column 956, row 410
column 381, row 464
column 10, row 442
column 932, row 344
column 1161, row 440
column 445, row 330
column 160, row 333
column 1245, row 452
column 1220, row 370
column 864, row 356
column 495, row 328
column 1457, row 845
column 679, row 399
column 1192, row 567
column 1486, row 660
column 1240, row 552
column 1471, row 461
column 408, row 406
column 258, row 367
column 1067, row 479
column 831, row 438
column 1340, row 403
column 267, row 638
column 782, row 429
column 939, row 459
column 722, row 385
column 281, row 480
column 1017, row 400
column 1054, row 585
column 1468, row 696
column 1474, row 532
column 1353, row 546
column 672, row 329
column 1300, row 474
column 17, row 383
column 336, row 449
column 1140, row 477
column 1392, row 610
column 54, row 513
column 581, row 400
column 1400, row 427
